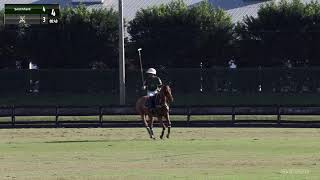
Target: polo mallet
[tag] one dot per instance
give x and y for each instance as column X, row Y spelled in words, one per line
column 141, row 69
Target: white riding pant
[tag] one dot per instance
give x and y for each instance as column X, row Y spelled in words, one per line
column 152, row 93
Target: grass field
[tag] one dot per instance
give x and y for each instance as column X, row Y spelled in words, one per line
column 191, row 153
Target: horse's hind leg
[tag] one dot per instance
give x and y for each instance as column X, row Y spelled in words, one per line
column 151, row 127
column 144, row 119
column 163, row 127
column 169, row 124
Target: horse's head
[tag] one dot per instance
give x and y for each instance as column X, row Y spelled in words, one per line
column 165, row 91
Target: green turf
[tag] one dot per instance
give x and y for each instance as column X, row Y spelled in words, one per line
column 191, row 153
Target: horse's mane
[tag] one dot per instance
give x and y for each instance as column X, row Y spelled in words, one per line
column 164, row 91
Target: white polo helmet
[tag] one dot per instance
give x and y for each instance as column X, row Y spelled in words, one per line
column 151, row 71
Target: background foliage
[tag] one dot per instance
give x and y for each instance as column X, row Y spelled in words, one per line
column 172, row 35
column 177, row 36
column 83, row 38
column 282, row 31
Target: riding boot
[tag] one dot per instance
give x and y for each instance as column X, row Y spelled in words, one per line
column 148, row 103
column 153, row 102
column 151, row 106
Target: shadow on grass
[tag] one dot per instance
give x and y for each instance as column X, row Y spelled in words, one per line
column 93, row 141
column 78, row 141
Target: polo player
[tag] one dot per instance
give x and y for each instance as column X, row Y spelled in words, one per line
column 152, row 84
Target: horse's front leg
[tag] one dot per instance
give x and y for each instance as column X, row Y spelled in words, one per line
column 167, row 116
column 163, row 127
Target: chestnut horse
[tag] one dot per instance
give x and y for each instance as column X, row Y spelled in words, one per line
column 164, row 97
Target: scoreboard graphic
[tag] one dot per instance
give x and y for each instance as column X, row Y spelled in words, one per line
column 31, row 14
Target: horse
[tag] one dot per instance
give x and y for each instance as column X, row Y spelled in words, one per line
column 164, row 97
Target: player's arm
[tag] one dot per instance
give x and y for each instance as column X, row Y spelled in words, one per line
column 144, row 87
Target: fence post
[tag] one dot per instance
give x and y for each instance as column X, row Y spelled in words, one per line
column 13, row 116
column 188, row 115
column 100, row 116
column 233, row 115
column 279, row 115
column 57, row 116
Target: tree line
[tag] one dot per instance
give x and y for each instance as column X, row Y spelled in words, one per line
column 171, row 35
